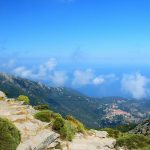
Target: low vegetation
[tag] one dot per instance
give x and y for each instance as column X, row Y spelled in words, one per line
column 133, row 141
column 58, row 123
column 9, row 135
column 44, row 115
column 126, row 128
column 76, row 124
column 129, row 141
column 113, row 133
column 42, row 107
column 67, row 131
column 67, row 128
column 23, row 98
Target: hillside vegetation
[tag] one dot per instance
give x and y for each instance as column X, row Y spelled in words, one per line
column 127, row 140
column 9, row 135
column 66, row 127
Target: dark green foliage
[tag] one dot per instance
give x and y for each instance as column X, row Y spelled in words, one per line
column 64, row 128
column 67, row 131
column 41, row 107
column 133, row 141
column 67, row 128
column 9, row 135
column 125, row 128
column 113, row 133
column 55, row 115
column 130, row 141
column 23, row 98
column 58, row 123
column 44, row 115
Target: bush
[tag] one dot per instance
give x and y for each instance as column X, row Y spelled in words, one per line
column 58, row 123
column 112, row 133
column 76, row 124
column 44, row 115
column 126, row 127
column 67, row 131
column 9, row 135
column 41, row 107
column 23, row 98
column 129, row 141
column 55, row 115
column 133, row 141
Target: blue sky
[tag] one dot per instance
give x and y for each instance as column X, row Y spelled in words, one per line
column 62, row 41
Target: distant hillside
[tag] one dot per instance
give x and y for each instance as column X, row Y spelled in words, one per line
column 93, row 112
column 142, row 128
column 63, row 100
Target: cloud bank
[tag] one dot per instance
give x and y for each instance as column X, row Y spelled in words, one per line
column 136, row 85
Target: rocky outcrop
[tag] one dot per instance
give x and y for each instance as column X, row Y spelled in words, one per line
column 35, row 135
column 90, row 142
column 142, row 128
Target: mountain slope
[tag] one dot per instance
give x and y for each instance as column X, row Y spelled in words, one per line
column 63, row 100
column 93, row 112
column 142, row 128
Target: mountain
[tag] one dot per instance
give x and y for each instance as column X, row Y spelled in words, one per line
column 63, row 100
column 93, row 112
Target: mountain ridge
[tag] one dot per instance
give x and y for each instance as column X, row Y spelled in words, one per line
column 93, row 112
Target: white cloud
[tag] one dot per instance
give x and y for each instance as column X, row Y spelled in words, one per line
column 23, row 72
column 98, row 80
column 45, row 68
column 82, row 78
column 135, row 84
column 42, row 71
column 58, row 78
column 50, row 64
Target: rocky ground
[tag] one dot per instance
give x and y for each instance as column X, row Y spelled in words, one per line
column 37, row 135
column 142, row 128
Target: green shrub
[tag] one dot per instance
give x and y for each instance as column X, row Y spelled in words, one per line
column 41, row 107
column 23, row 98
column 58, row 123
column 133, row 141
column 55, row 115
column 67, row 128
column 112, row 133
column 130, row 141
column 76, row 124
column 44, row 115
column 9, row 135
column 126, row 127
column 67, row 131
